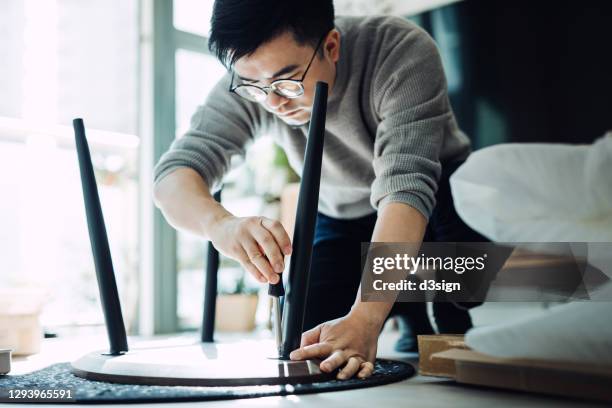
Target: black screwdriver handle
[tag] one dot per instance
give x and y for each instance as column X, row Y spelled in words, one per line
column 277, row 289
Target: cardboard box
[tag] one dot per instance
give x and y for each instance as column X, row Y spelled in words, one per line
column 435, row 343
column 547, row 377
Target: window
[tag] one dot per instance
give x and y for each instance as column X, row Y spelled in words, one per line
column 193, row 16
column 66, row 59
column 196, row 73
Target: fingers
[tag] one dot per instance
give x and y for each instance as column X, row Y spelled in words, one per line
column 256, row 258
column 311, row 336
column 335, row 360
column 259, row 244
column 354, row 365
column 271, row 249
column 249, row 267
column 278, row 232
column 262, row 242
column 252, row 269
column 365, row 370
column 319, row 350
column 350, row 369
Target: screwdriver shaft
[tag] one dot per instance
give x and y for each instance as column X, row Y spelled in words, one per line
column 276, row 310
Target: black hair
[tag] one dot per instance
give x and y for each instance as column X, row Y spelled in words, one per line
column 239, row 27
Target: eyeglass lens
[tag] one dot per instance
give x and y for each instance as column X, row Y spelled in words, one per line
column 288, row 89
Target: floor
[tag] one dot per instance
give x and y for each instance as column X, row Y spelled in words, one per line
column 418, row 391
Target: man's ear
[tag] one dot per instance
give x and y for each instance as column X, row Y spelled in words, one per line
column 331, row 46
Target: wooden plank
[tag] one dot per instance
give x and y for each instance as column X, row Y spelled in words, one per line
column 541, row 376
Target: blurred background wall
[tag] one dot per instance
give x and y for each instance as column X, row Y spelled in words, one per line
column 527, row 71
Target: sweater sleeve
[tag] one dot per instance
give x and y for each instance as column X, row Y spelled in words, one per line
column 411, row 101
column 220, row 128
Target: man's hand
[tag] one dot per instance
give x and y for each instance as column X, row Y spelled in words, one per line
column 349, row 341
column 258, row 243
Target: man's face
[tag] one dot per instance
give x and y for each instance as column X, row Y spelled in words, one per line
column 283, row 58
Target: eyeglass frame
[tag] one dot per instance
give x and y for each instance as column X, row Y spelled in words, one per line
column 266, row 89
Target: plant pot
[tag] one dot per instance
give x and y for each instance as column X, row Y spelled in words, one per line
column 235, row 313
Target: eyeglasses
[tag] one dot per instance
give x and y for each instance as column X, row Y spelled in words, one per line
column 287, row 88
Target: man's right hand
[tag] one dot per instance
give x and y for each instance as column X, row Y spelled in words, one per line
column 258, row 243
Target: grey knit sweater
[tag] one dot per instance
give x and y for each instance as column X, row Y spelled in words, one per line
column 389, row 124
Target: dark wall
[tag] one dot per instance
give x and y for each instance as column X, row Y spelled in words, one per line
column 527, row 71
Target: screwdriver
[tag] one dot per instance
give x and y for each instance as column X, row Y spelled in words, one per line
column 277, row 290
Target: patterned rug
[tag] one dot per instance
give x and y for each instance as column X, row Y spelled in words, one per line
column 58, row 376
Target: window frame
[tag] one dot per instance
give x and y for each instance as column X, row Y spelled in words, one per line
column 160, row 41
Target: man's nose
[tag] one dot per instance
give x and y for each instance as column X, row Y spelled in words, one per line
column 275, row 101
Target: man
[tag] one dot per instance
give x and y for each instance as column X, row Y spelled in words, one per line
column 391, row 143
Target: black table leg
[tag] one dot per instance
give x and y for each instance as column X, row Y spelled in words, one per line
column 210, row 288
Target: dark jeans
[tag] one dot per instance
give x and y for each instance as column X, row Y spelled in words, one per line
column 336, row 271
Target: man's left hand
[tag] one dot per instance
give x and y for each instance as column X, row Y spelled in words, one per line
column 349, row 341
